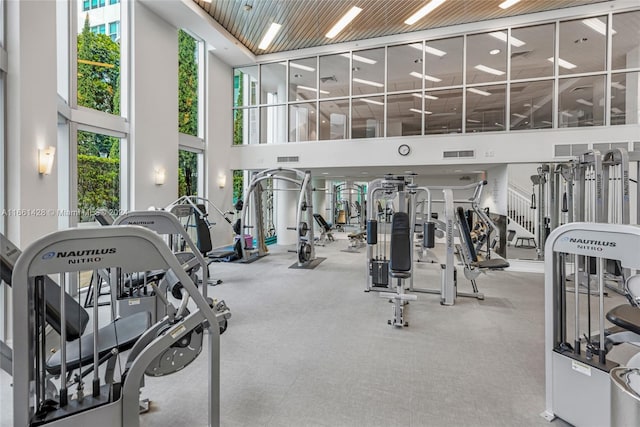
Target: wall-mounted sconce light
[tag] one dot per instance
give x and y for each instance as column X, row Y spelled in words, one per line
column 45, row 160
column 222, row 180
column 160, row 176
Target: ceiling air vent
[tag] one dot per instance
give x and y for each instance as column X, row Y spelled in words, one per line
column 288, row 159
column 458, row 154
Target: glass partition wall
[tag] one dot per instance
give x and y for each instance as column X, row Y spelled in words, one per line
column 570, row 73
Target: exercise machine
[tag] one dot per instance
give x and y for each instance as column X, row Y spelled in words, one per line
column 455, row 225
column 400, row 266
column 176, row 338
column 326, row 230
column 577, row 366
column 252, row 203
column 136, row 298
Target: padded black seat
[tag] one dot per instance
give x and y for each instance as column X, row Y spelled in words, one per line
column 322, row 222
column 625, row 316
column 493, row 263
column 121, row 334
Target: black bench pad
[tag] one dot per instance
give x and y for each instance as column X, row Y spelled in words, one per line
column 121, row 334
column 492, row 263
column 625, row 316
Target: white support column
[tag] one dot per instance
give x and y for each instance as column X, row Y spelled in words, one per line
column 32, row 198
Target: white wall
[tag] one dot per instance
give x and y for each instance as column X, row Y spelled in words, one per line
column 494, row 194
column 31, row 118
column 219, row 138
column 154, row 108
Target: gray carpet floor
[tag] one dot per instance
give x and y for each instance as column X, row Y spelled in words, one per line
column 311, row 348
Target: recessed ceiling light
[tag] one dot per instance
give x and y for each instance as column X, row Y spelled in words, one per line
column 473, row 121
column 428, row 49
column 425, row 76
column 415, row 110
column 359, row 58
column 520, row 116
column 494, row 51
column 584, row 102
column 269, row 35
column 477, row 91
column 371, row 101
column 301, row 67
column 564, row 64
column 616, row 110
column 368, row 82
column 597, row 25
column 417, row 95
column 325, row 173
column 566, row 114
column 343, row 22
column 489, row 70
column 502, row 36
column 311, row 89
column 507, row 4
column 618, row 85
column 423, row 11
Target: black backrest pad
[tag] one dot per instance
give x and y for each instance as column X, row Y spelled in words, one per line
column 76, row 317
column 465, row 235
column 400, row 253
column 322, row 222
column 204, row 235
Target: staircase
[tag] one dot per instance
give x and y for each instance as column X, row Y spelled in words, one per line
column 522, row 219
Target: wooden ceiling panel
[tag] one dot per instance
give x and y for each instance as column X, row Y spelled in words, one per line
column 305, row 22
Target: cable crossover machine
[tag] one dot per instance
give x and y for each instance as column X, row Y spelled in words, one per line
column 252, row 209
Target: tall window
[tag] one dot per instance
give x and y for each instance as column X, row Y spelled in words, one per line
column 97, row 159
column 98, row 174
column 189, row 90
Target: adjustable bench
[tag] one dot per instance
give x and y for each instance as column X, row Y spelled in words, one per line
column 325, row 229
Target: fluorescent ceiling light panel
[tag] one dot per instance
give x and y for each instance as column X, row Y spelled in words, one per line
column 424, row 11
column 547, row 122
column 597, row 25
column 371, row 101
column 428, row 49
column 616, row 110
column 473, row 121
column 617, row 85
column 269, row 35
column 477, row 91
column 415, row 110
column 584, row 102
column 489, row 70
column 417, row 95
column 367, row 82
column 507, row 4
column 301, row 67
column 343, row 22
column 425, row 76
column 502, row 36
column 564, row 64
column 359, row 58
column 566, row 114
column 520, row 116
column 310, row 89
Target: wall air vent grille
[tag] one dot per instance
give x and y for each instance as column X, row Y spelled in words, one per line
column 458, row 154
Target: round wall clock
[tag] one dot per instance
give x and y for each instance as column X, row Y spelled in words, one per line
column 404, row 150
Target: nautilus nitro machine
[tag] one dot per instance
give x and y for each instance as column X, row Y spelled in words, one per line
column 164, row 348
column 252, row 205
column 577, row 363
